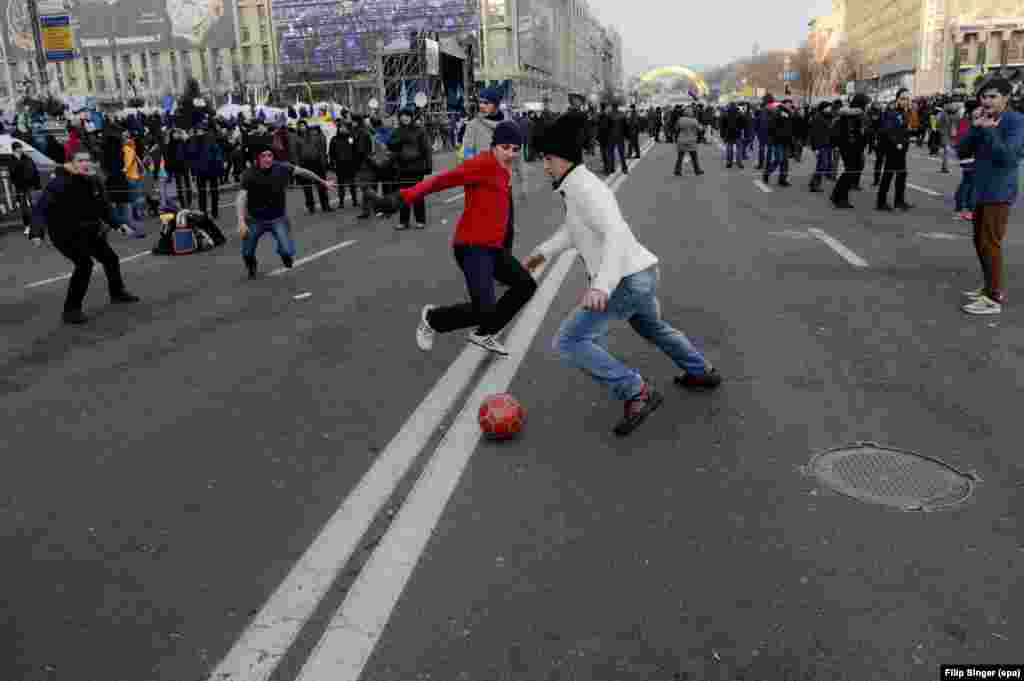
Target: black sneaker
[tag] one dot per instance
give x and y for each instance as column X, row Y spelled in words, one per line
column 287, row 261
column 251, row 267
column 709, row 380
column 124, row 297
column 74, row 317
column 638, row 409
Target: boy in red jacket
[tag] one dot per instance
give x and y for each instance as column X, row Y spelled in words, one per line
column 482, row 244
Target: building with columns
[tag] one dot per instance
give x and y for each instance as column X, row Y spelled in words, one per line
column 150, row 72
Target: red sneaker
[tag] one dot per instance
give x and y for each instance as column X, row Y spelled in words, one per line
column 638, row 409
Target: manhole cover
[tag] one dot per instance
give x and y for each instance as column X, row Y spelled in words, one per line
column 891, row 477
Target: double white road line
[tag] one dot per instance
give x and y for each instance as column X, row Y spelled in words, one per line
column 356, row 626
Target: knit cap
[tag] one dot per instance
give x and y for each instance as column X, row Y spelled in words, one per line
column 490, row 95
column 507, row 132
column 564, row 138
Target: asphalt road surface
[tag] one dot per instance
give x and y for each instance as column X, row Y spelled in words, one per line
column 227, row 482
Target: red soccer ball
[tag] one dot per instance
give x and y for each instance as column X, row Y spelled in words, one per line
column 501, row 416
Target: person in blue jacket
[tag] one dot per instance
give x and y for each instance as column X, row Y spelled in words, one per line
column 996, row 140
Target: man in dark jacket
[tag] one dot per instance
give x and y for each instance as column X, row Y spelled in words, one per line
column 733, row 124
column 75, row 211
column 895, row 142
column 310, row 152
column 850, row 136
column 25, row 178
column 821, row 143
column 413, row 160
column 344, row 157
column 780, row 141
column 618, row 130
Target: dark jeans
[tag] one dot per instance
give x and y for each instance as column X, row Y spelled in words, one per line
column 418, row 209
column 823, row 166
column 482, row 266
column 214, row 188
column 693, row 159
column 307, row 187
column 895, row 167
column 778, row 157
column 853, row 166
column 183, row 183
column 80, row 245
column 613, row 149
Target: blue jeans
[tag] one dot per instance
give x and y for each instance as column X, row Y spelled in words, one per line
column 735, row 151
column 778, row 157
column 824, row 165
column 582, row 339
column 280, row 228
column 124, row 214
column 965, row 192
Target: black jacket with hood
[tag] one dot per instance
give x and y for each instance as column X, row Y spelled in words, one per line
column 72, row 202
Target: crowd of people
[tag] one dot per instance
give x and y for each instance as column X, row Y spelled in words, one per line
column 385, row 171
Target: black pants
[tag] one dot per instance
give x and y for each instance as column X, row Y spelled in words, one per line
column 80, row 245
column 879, row 162
column 23, row 202
column 183, row 183
column 634, row 146
column 895, row 167
column 418, row 209
column 214, row 188
column 346, row 181
column 482, row 266
column 307, row 187
column 853, row 166
column 693, row 158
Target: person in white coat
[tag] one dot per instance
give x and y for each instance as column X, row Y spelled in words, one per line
column 623, row 283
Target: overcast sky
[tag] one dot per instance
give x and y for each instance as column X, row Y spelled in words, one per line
column 704, row 32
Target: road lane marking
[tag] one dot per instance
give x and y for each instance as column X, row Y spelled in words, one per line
column 763, row 187
column 356, row 626
column 838, row 246
column 310, row 258
column 924, row 190
column 63, row 277
column 455, row 198
column 791, row 233
column 272, row 631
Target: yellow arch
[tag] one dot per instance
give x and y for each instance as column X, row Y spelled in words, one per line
column 676, row 71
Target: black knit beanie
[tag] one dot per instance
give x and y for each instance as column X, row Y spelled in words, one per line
column 564, row 138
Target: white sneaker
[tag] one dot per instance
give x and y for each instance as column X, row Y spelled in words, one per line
column 982, row 305
column 489, row 343
column 28, row 230
column 424, row 332
column 974, row 294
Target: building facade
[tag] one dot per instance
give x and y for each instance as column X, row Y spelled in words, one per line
column 932, row 46
column 241, row 63
column 545, row 48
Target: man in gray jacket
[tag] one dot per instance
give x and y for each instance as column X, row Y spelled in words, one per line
column 480, row 133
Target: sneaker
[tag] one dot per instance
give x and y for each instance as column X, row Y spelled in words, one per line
column 74, row 317
column 974, row 294
column 252, row 267
column 967, row 216
column 287, row 261
column 401, row 226
column 124, row 297
column 638, row 409
column 709, row 380
column 28, row 230
column 424, row 332
column 982, row 305
column 421, row 225
column 489, row 343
